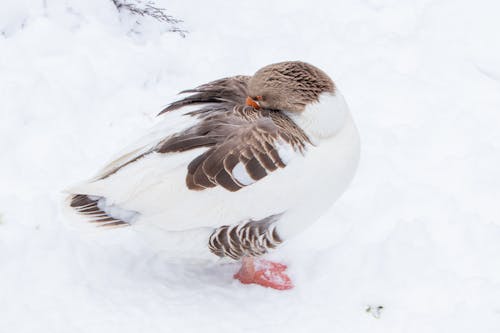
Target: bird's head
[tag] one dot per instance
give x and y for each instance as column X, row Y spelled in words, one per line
column 287, row 86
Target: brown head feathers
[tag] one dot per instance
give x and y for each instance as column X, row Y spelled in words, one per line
column 289, row 85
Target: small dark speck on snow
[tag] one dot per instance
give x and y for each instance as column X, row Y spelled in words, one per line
column 375, row 310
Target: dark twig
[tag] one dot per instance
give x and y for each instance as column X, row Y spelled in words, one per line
column 149, row 8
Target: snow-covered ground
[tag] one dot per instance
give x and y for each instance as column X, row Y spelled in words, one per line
column 417, row 233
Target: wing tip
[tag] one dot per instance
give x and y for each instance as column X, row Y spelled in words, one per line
column 88, row 206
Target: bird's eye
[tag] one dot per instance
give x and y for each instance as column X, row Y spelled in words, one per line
column 259, row 98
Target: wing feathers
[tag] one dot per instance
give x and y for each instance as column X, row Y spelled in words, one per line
column 231, row 89
column 224, row 179
column 87, row 206
column 236, row 140
column 233, row 133
column 255, row 169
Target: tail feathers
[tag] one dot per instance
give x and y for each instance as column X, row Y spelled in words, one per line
column 88, row 206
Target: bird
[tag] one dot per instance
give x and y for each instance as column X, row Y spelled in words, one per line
column 234, row 168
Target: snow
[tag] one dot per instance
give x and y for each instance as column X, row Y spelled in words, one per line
column 413, row 244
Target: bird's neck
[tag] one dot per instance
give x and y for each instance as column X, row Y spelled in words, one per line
column 322, row 119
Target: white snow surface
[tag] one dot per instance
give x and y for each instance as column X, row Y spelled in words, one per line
column 412, row 246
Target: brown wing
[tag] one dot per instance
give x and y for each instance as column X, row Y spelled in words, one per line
column 233, row 142
column 234, row 133
column 213, row 97
column 229, row 90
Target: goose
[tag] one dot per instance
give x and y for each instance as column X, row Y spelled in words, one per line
column 232, row 170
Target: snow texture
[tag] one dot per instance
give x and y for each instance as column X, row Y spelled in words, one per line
column 412, row 246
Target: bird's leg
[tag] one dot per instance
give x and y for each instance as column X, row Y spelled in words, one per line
column 263, row 272
column 246, row 273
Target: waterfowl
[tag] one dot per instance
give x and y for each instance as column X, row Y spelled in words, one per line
column 238, row 166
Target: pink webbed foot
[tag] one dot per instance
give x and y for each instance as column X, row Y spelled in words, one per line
column 265, row 273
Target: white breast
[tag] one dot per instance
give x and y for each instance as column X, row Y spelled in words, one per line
column 321, row 177
column 328, row 167
column 324, row 118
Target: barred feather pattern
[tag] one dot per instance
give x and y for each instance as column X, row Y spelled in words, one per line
column 252, row 238
column 87, row 206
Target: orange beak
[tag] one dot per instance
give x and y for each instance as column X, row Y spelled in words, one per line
column 253, row 103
